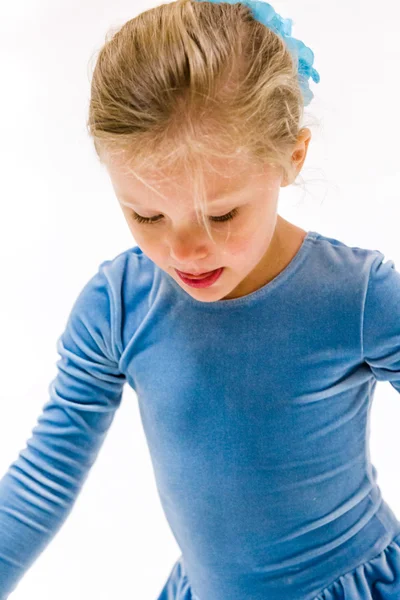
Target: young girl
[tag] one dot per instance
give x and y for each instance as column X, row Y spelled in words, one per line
column 254, row 346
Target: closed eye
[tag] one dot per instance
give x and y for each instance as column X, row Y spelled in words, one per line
column 156, row 219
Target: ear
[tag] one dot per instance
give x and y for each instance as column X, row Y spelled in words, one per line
column 299, row 154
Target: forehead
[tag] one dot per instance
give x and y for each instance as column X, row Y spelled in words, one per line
column 221, row 181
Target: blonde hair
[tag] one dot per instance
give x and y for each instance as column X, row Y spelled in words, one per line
column 187, row 81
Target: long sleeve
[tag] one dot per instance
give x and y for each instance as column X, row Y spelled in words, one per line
column 381, row 328
column 39, row 489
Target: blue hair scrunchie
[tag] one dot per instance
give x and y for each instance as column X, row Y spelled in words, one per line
column 304, row 56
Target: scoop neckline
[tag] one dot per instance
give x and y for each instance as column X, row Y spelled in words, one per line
column 255, row 296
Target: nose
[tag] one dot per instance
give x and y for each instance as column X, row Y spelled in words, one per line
column 189, row 247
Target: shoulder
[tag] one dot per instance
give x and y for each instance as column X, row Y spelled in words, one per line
column 111, row 298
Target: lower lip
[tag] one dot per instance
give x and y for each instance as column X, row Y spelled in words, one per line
column 204, row 282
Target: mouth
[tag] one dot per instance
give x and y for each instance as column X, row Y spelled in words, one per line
column 206, row 280
column 196, row 275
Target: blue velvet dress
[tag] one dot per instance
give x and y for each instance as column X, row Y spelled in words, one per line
column 375, row 579
column 256, row 414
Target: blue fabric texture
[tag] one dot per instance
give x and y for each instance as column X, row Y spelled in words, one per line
column 256, row 414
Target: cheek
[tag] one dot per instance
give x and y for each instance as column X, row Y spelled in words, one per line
column 246, row 232
column 146, row 242
column 241, row 241
column 250, row 241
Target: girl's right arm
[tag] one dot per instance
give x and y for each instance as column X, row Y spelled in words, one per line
column 40, row 488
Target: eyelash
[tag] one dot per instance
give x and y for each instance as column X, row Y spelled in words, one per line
column 221, row 219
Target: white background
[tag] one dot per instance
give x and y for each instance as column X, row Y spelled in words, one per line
column 59, row 220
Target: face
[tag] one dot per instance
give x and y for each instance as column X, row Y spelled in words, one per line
column 242, row 211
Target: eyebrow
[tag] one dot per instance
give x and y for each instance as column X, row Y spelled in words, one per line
column 221, row 198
